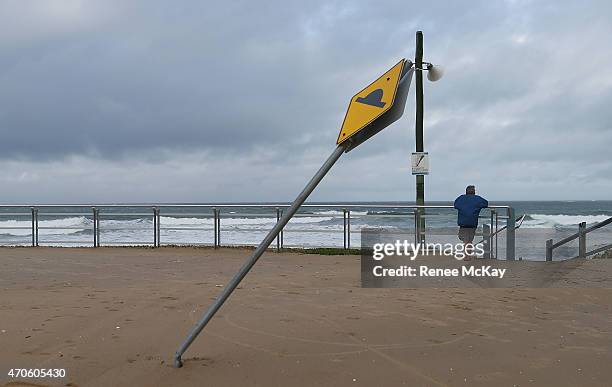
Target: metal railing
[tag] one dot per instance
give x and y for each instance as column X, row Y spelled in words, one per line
column 97, row 215
column 583, row 230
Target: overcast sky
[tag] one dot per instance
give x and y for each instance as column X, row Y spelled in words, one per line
column 195, row 101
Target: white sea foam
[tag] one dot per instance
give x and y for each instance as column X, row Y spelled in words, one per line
column 126, row 222
column 548, row 221
column 80, row 222
column 166, row 221
column 334, row 212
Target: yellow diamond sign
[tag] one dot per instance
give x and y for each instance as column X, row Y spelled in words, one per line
column 371, row 102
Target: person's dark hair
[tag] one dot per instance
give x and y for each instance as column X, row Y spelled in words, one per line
column 470, row 190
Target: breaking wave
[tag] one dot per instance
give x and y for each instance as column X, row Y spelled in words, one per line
column 551, row 221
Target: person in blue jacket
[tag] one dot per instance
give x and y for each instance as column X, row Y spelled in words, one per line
column 469, row 206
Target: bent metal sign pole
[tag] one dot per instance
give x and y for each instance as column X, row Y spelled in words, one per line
column 371, row 110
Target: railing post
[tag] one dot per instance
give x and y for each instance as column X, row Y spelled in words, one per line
column 486, row 235
column 36, row 227
column 33, row 226
column 344, row 226
column 157, row 211
column 214, row 227
column 510, row 235
column 549, row 250
column 491, row 235
column 154, row 227
column 97, row 227
column 95, row 231
column 496, row 233
column 282, row 234
column 218, row 228
column 278, row 236
column 348, row 229
column 582, row 240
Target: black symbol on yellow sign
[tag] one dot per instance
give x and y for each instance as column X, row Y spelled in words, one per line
column 373, row 99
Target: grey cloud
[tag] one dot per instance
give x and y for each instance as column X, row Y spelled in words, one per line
column 146, row 84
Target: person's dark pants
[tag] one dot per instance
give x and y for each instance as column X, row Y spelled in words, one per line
column 466, row 234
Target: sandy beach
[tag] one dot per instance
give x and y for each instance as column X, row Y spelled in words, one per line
column 115, row 316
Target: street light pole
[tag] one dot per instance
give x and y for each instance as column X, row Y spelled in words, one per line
column 420, row 179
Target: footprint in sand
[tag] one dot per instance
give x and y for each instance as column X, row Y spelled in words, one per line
column 461, row 307
column 204, row 361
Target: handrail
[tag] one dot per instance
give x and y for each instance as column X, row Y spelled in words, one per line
column 581, row 235
column 234, row 205
column 586, row 230
column 599, row 225
column 155, row 213
column 565, row 240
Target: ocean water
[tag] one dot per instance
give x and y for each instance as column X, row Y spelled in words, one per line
column 317, row 225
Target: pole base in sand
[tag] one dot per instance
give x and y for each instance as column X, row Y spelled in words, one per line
column 178, row 363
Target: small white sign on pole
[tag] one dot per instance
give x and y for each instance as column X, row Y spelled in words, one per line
column 420, row 163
